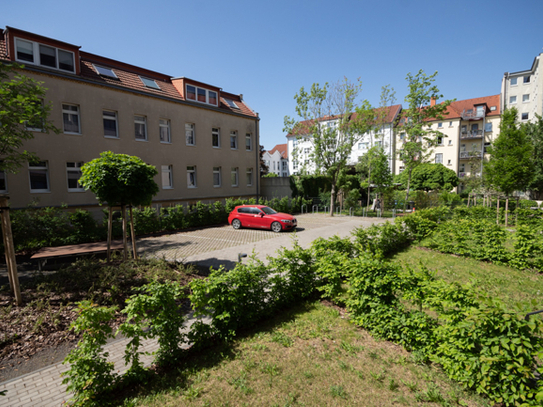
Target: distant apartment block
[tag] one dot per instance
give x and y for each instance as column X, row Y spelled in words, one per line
column 277, row 160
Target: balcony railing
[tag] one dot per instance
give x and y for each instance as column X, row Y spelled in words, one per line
column 461, row 174
column 471, row 134
column 473, row 113
column 466, row 155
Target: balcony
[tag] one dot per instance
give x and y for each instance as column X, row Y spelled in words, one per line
column 467, row 155
column 474, row 114
column 461, row 174
column 471, row 134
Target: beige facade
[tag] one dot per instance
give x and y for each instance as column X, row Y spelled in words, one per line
column 204, row 149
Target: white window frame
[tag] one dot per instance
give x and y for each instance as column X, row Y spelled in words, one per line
column 149, row 83
column 199, row 91
column 522, row 116
column 233, row 140
column 36, row 55
column 513, row 82
column 74, row 168
column 217, row 172
column 67, row 113
column 526, row 79
column 439, row 158
column 512, row 100
column 190, row 134
column 192, row 181
column 234, row 176
column 249, row 177
column 29, row 127
column 526, row 98
column 216, row 134
column 41, row 166
column 111, row 116
column 164, row 131
column 248, row 142
column 167, row 176
column 140, row 122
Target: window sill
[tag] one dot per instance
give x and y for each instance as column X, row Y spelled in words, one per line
column 112, row 137
column 72, row 134
column 167, row 188
column 76, row 190
column 142, row 140
column 165, row 142
column 40, row 191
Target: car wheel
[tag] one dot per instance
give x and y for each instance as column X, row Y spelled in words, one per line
column 276, row 227
column 236, row 224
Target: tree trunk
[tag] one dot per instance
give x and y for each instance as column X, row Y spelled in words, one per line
column 125, row 245
column 506, row 210
column 407, row 192
column 516, row 212
column 109, row 232
column 333, row 199
column 9, row 249
column 498, row 210
column 469, row 199
column 369, row 183
column 133, row 235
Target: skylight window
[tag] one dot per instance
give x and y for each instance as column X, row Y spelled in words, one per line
column 105, row 71
column 231, row 103
column 150, row 83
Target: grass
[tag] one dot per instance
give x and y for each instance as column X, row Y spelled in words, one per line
column 307, row 356
column 510, row 285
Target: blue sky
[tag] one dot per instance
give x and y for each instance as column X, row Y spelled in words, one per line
column 268, row 50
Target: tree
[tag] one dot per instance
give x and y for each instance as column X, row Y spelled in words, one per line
column 264, row 169
column 21, row 109
column 333, row 121
column 430, row 177
column 421, row 107
column 373, row 167
column 534, row 132
column 120, row 179
column 510, row 167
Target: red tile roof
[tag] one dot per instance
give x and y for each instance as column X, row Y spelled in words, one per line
column 283, row 150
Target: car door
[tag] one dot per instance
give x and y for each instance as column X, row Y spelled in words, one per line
column 258, row 219
column 246, row 217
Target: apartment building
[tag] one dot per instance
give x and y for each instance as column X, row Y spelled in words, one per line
column 300, row 146
column 203, row 140
column 468, row 127
column 524, row 90
column 277, row 160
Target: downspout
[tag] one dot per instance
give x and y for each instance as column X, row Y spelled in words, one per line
column 257, row 150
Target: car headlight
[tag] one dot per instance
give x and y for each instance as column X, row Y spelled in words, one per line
column 286, row 221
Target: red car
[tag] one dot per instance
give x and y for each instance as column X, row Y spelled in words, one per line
column 260, row 217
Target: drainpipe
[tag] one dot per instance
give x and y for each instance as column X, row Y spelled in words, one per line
column 257, row 150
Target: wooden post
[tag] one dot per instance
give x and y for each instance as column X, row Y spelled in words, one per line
column 125, row 246
column 133, row 234
column 9, row 249
column 109, row 232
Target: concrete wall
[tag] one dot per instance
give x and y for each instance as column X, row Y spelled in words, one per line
column 277, row 187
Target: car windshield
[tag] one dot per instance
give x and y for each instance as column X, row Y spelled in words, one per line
column 267, row 211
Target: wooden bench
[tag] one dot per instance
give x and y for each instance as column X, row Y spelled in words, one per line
column 46, row 253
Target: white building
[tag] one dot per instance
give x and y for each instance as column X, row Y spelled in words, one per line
column 277, row 160
column 524, row 90
column 300, row 147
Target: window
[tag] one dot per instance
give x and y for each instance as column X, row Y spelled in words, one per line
column 450, row 142
column 249, row 174
column 36, row 124
column 234, row 140
column 73, row 173
column 189, row 134
column 525, row 98
column 103, row 71
column 450, row 124
column 201, row 95
column 216, row 177
column 164, row 131
column 360, row 146
column 526, row 79
column 462, row 168
column 486, row 146
column 402, row 136
column 295, row 165
column 231, row 103
column 513, row 81
column 191, row 177
column 39, row 177
column 512, row 100
column 150, row 83
column 488, row 126
column 524, row 116
column 140, row 128
column 401, row 169
column 274, row 165
column 44, row 55
column 70, row 117
column 234, row 176
column 439, row 158
column 379, row 143
column 3, row 181
column 215, row 137
column 449, row 162
column 306, row 151
column 248, row 142
column 439, row 140
column 440, row 125
column 480, row 111
column 167, row 180
column 110, row 124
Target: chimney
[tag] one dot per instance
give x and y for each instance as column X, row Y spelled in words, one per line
column 433, row 101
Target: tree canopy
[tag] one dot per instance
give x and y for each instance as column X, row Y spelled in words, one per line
column 534, row 132
column 430, row 177
column 332, row 120
column 22, row 111
column 120, row 179
column 373, row 168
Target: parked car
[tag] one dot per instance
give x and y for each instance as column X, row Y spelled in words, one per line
column 260, row 217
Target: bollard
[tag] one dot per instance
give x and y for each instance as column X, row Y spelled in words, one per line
column 241, row 256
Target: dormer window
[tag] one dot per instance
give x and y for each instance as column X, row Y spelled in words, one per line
column 44, row 55
column 201, row 95
column 103, row 71
column 150, row 83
